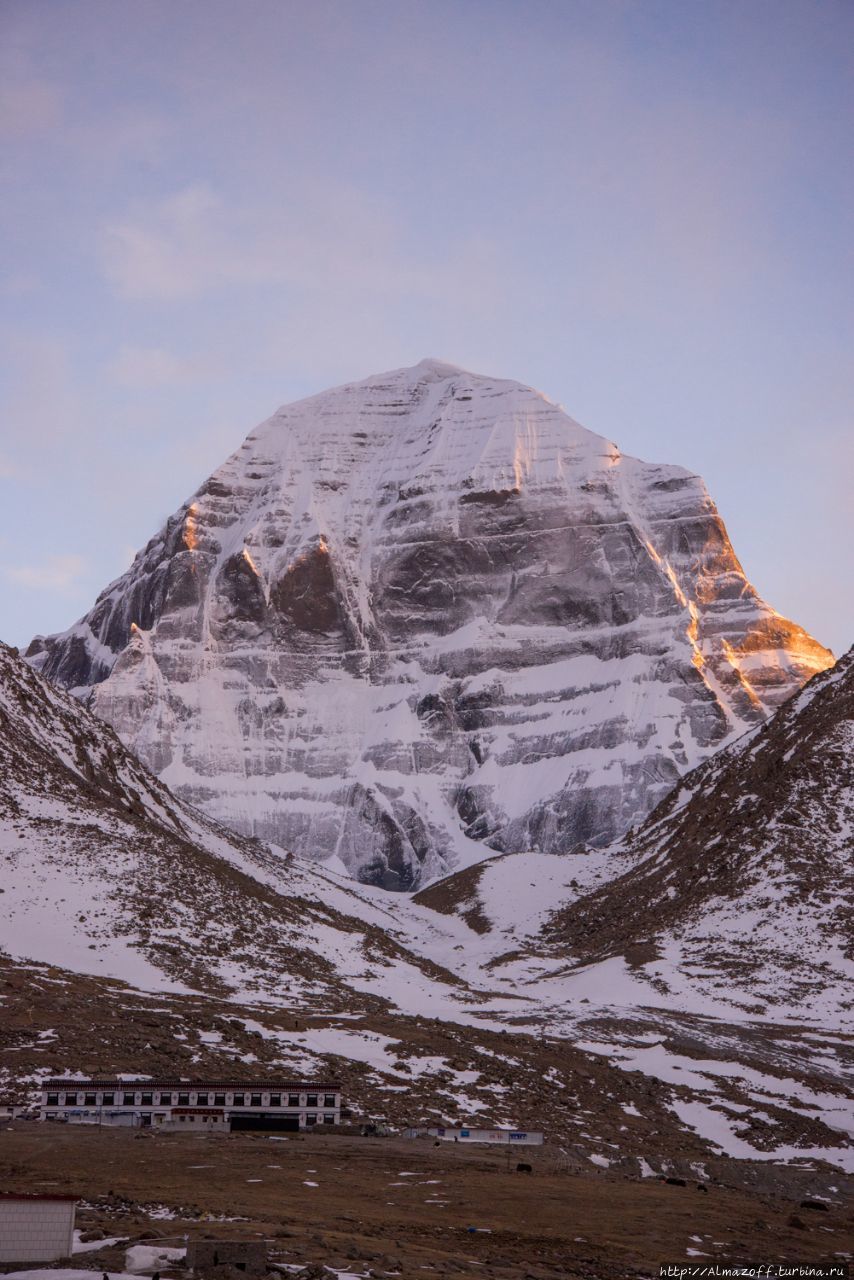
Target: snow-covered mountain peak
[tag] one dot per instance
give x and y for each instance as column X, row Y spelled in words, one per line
column 440, row 368
column 350, row 456
column 426, row 613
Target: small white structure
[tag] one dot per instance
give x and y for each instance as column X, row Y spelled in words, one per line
column 10, row 1110
column 499, row 1136
column 209, row 1118
column 36, row 1228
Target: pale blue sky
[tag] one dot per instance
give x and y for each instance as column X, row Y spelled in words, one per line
column 644, row 208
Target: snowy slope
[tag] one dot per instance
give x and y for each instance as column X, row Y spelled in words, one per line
column 733, row 900
column 713, row 950
column 104, row 872
column 262, row 959
column 426, row 616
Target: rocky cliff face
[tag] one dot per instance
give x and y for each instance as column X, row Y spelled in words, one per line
column 425, row 616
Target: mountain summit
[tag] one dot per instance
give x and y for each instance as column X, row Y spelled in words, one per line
column 425, row 616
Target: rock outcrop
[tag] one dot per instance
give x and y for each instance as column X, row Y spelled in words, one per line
column 427, row 616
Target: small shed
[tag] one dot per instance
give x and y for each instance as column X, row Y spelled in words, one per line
column 36, row 1228
column 10, row 1108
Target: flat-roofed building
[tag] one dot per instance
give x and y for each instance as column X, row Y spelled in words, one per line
column 193, row 1104
column 501, row 1135
column 35, row 1228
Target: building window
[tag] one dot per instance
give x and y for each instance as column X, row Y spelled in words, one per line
column 311, row 1100
column 255, row 1100
column 147, row 1099
column 109, row 1099
column 71, row 1099
column 238, row 1099
column 166, row 1099
column 128, row 1099
column 329, row 1100
column 88, row 1099
column 219, row 1099
column 293, row 1099
column 53, row 1099
column 183, row 1099
column 329, row 1119
column 201, row 1099
column 275, row 1099
column 311, row 1119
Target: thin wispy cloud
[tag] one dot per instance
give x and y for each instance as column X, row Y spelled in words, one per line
column 59, row 573
column 175, row 249
column 195, row 242
column 28, row 108
column 143, row 368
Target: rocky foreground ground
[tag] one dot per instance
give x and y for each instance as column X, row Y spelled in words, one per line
column 377, row 1207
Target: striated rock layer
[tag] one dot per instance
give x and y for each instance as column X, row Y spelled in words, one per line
column 426, row 616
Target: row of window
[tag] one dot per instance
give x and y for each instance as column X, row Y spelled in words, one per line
column 324, row 1119
column 199, row 1100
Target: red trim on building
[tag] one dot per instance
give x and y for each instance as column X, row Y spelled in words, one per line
column 198, row 1111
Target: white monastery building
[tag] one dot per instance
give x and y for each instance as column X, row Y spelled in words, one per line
column 500, row 1136
column 212, row 1104
column 35, row 1228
